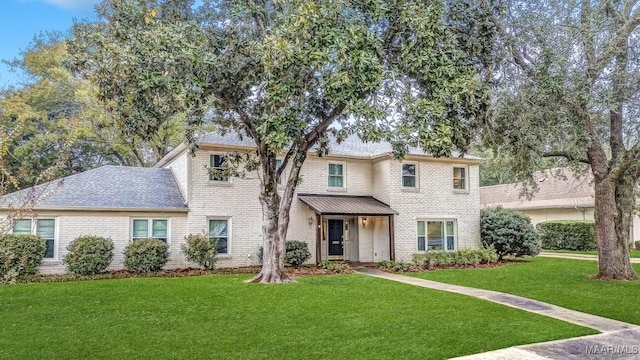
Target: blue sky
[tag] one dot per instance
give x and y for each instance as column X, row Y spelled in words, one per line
column 21, row 20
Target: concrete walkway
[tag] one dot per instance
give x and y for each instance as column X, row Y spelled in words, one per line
column 619, row 340
column 579, row 256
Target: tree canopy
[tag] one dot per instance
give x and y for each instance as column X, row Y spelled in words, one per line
column 289, row 73
column 568, row 88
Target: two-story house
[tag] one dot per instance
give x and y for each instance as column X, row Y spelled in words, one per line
column 356, row 204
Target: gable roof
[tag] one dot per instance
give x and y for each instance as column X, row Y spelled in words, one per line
column 557, row 188
column 351, row 146
column 109, row 187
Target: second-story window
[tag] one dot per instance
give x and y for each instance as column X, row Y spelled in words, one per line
column 217, row 170
column 409, row 175
column 336, row 175
column 459, row 178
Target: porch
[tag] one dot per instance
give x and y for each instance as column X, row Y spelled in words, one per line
column 352, row 228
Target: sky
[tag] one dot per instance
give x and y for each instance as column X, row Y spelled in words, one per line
column 21, row 20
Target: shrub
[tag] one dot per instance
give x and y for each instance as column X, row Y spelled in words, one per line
column 146, row 255
column 461, row 257
column 637, row 244
column 20, row 255
column 568, row 235
column 337, row 267
column 89, row 255
column 297, row 253
column 396, row 266
column 509, row 231
column 200, row 249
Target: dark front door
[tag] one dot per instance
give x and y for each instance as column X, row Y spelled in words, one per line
column 335, row 237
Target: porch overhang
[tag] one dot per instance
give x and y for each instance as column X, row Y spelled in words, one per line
column 346, row 205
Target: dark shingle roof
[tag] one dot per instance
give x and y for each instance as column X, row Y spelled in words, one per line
column 351, row 146
column 109, row 187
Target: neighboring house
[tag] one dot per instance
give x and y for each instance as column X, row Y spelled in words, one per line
column 356, row 204
column 561, row 195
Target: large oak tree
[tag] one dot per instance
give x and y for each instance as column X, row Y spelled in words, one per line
column 288, row 73
column 569, row 88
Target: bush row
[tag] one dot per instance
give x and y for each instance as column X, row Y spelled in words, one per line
column 568, row 235
column 21, row 255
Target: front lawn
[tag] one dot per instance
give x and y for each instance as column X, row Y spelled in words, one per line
column 632, row 253
column 320, row 317
column 561, row 282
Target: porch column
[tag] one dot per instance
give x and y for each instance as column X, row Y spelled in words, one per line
column 318, row 238
column 392, row 239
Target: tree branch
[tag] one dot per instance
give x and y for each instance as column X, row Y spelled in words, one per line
column 565, row 155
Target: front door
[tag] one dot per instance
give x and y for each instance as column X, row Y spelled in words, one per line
column 336, row 241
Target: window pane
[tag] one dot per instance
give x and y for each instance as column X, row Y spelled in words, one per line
column 408, row 181
column 278, row 164
column 459, row 181
column 421, row 228
column 217, row 171
column 335, row 169
column 408, row 169
column 140, row 229
column 22, row 227
column 159, row 230
column 435, row 235
column 421, row 246
column 335, row 181
column 48, row 253
column 46, row 228
column 218, row 228
column 450, row 242
column 222, row 245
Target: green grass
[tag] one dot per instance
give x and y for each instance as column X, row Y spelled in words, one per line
column 319, row 317
column 561, row 282
column 632, row 254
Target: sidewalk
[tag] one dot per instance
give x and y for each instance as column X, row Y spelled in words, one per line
column 579, row 256
column 617, row 337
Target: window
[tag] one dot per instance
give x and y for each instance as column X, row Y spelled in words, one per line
column 219, row 231
column 436, row 235
column 45, row 228
column 336, row 175
column 218, row 170
column 278, row 164
column 409, row 175
column 156, row 227
column 459, row 178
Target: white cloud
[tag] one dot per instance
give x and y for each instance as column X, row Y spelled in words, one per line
column 73, row 4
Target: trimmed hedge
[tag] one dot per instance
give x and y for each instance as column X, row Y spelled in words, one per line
column 20, row 255
column 146, row 255
column 568, row 235
column 89, row 255
column 463, row 257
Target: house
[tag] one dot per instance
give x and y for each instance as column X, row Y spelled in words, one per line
column 561, row 195
column 355, row 204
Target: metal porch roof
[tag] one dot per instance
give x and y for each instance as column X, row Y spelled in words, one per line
column 346, row 205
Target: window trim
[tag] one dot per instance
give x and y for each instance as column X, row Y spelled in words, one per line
column 150, row 221
column 34, row 231
column 344, row 176
column 229, row 233
column 444, row 221
column 416, row 176
column 210, row 166
column 465, row 179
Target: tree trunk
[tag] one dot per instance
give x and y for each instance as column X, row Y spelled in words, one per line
column 612, row 231
column 274, row 250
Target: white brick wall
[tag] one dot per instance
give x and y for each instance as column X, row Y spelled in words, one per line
column 114, row 225
column 180, row 167
column 381, row 178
